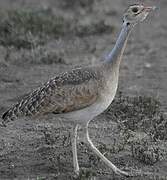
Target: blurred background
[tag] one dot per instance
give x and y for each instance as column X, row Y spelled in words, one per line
column 40, row 38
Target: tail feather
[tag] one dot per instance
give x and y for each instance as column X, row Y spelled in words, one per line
column 3, row 124
column 7, row 117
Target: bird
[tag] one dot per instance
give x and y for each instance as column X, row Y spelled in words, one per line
column 82, row 93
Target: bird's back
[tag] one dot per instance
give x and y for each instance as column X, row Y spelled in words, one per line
column 69, row 91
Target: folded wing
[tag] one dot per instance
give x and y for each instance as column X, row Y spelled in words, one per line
column 66, row 92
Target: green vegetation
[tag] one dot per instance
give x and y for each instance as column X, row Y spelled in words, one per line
column 86, row 174
column 34, row 21
column 40, row 178
column 138, row 113
column 96, row 28
column 77, row 3
column 20, row 28
column 143, row 125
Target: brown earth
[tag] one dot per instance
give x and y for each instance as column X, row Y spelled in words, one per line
column 44, row 37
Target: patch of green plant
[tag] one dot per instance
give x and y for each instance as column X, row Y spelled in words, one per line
column 158, row 128
column 139, row 113
column 143, row 125
column 147, row 151
column 26, row 27
column 16, row 26
column 96, row 28
column 86, row 174
column 77, row 3
column 40, row 178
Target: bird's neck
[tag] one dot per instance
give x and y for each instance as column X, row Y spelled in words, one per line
column 115, row 55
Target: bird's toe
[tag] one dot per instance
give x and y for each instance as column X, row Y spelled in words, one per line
column 120, row 172
column 129, row 172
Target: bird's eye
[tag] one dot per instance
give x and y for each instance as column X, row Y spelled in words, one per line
column 135, row 9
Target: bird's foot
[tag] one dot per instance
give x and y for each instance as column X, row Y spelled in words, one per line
column 129, row 172
column 77, row 172
column 120, row 172
column 76, row 175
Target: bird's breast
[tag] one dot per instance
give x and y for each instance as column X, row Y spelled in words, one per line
column 105, row 97
column 108, row 94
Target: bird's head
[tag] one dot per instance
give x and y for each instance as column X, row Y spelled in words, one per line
column 136, row 13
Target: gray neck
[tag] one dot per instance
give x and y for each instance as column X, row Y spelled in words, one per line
column 115, row 55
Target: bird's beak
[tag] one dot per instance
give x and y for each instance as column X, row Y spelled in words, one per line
column 150, row 8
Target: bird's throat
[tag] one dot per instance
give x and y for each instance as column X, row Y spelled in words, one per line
column 115, row 55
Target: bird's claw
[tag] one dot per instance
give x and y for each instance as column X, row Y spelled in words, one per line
column 131, row 173
column 120, row 172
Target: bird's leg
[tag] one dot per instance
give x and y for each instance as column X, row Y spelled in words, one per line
column 74, row 148
column 101, row 156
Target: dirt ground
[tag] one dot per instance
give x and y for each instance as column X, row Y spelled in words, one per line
column 40, row 38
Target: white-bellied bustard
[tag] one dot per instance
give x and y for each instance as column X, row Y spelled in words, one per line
column 82, row 93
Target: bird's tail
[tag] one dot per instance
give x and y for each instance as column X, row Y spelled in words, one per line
column 8, row 116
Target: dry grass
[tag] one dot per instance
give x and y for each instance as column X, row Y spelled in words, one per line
column 20, row 28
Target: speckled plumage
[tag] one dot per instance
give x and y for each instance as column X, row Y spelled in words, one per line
column 68, row 91
column 83, row 93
